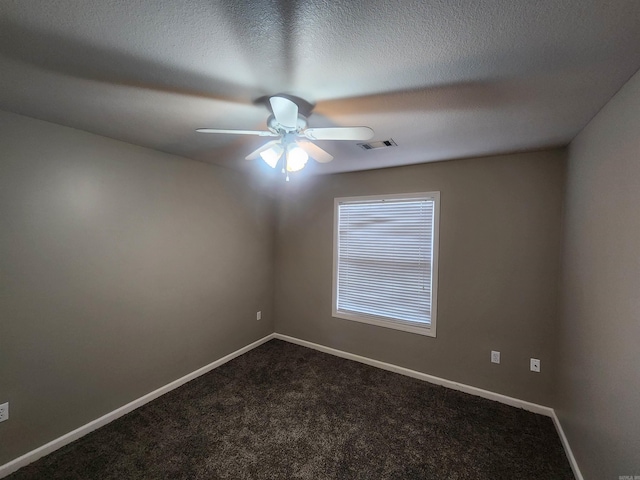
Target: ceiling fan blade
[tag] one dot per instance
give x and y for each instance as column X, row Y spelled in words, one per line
column 285, row 111
column 256, row 153
column 314, row 151
column 260, row 133
column 339, row 133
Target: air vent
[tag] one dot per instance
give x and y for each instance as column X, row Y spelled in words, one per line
column 377, row 145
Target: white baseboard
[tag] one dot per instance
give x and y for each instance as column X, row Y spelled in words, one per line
column 59, row 442
column 514, row 402
column 567, row 448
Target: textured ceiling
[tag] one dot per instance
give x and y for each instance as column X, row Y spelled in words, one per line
column 445, row 79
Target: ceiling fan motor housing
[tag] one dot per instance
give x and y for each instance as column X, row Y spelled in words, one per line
column 276, row 127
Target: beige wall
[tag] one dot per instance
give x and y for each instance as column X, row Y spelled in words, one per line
column 121, row 270
column 498, row 280
column 599, row 382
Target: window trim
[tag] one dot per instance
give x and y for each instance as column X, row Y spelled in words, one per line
column 403, row 325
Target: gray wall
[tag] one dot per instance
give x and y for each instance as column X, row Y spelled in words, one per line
column 121, row 270
column 599, row 382
column 500, row 240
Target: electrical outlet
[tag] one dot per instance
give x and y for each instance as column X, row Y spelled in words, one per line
column 4, row 412
column 535, row 365
column 495, row 356
column 259, row 316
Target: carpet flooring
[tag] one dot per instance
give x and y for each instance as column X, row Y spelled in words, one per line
column 282, row 411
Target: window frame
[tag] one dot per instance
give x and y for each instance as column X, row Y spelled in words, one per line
column 397, row 324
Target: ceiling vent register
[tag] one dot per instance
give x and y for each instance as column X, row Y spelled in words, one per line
column 377, row 145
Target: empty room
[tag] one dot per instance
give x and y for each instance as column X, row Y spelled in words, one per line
column 310, row 239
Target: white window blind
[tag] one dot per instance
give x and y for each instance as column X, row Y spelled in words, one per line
column 385, row 258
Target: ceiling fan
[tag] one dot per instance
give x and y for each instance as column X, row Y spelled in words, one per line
column 293, row 147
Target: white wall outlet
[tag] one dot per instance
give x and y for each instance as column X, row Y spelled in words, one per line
column 4, row 412
column 535, row 365
column 258, row 315
column 495, row 356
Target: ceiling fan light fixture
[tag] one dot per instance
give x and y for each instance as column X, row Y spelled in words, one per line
column 272, row 155
column 296, row 158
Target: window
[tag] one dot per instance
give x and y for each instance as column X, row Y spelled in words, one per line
column 386, row 260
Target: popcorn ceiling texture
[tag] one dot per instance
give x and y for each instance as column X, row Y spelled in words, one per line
column 285, row 411
column 444, row 79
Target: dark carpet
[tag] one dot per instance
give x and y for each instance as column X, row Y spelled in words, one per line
column 284, row 411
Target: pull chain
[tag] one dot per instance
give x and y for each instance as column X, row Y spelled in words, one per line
column 284, row 167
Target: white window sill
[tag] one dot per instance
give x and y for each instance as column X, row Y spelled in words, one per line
column 412, row 327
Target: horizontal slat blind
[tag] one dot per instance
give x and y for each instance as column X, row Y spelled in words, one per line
column 385, row 252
